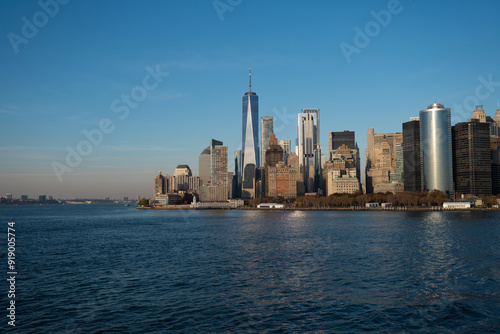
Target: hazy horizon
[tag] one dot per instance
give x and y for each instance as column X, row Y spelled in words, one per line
column 148, row 84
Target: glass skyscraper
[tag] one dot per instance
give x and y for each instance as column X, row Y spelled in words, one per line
column 435, row 148
column 412, row 176
column 266, row 129
column 250, row 128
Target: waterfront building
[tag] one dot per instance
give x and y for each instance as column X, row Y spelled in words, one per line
column 266, row 130
column 182, row 181
column 281, row 181
column 219, row 187
column 250, row 133
column 435, row 149
column 380, row 157
column 205, row 162
column 342, row 184
column 159, row 185
column 412, row 177
column 472, row 157
column 182, row 176
column 344, row 163
column 308, row 142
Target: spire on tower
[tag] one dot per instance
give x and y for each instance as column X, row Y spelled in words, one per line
column 250, row 77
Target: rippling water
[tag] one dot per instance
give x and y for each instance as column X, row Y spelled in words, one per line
column 97, row 268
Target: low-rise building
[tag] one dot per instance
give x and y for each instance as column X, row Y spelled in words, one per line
column 456, row 205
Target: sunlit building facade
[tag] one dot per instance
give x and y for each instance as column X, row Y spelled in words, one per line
column 436, row 148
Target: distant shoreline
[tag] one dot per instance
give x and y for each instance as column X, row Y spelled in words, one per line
column 187, row 207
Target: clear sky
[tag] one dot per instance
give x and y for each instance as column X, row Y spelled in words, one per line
column 65, row 72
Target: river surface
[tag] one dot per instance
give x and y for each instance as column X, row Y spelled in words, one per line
column 110, row 268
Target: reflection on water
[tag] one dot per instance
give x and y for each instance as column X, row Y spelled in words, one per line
column 126, row 270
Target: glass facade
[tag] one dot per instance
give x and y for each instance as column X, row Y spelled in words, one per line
column 250, row 130
column 435, row 148
column 411, row 156
column 337, row 139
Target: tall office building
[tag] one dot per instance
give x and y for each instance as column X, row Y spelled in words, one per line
column 250, row 128
column 205, row 163
column 266, row 130
column 182, row 181
column 286, row 146
column 412, row 177
column 274, row 155
column 238, row 174
column 293, row 163
column 182, row 176
column 281, row 181
column 218, row 187
column 380, row 158
column 472, row 157
column 337, row 139
column 397, row 175
column 435, row 148
column 308, row 142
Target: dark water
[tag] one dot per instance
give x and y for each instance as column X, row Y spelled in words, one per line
column 99, row 269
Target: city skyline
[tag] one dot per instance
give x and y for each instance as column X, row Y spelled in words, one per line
column 58, row 90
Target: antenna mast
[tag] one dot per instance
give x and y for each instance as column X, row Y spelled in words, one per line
column 250, row 77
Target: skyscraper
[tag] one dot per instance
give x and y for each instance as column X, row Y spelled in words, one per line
column 250, row 128
column 205, row 162
column 238, row 174
column 337, row 139
column 218, row 189
column 412, row 177
column 380, row 158
column 274, row 155
column 308, row 142
column 435, row 148
column 286, row 146
column 472, row 157
column 266, row 130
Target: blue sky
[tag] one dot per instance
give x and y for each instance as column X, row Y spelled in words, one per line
column 64, row 79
